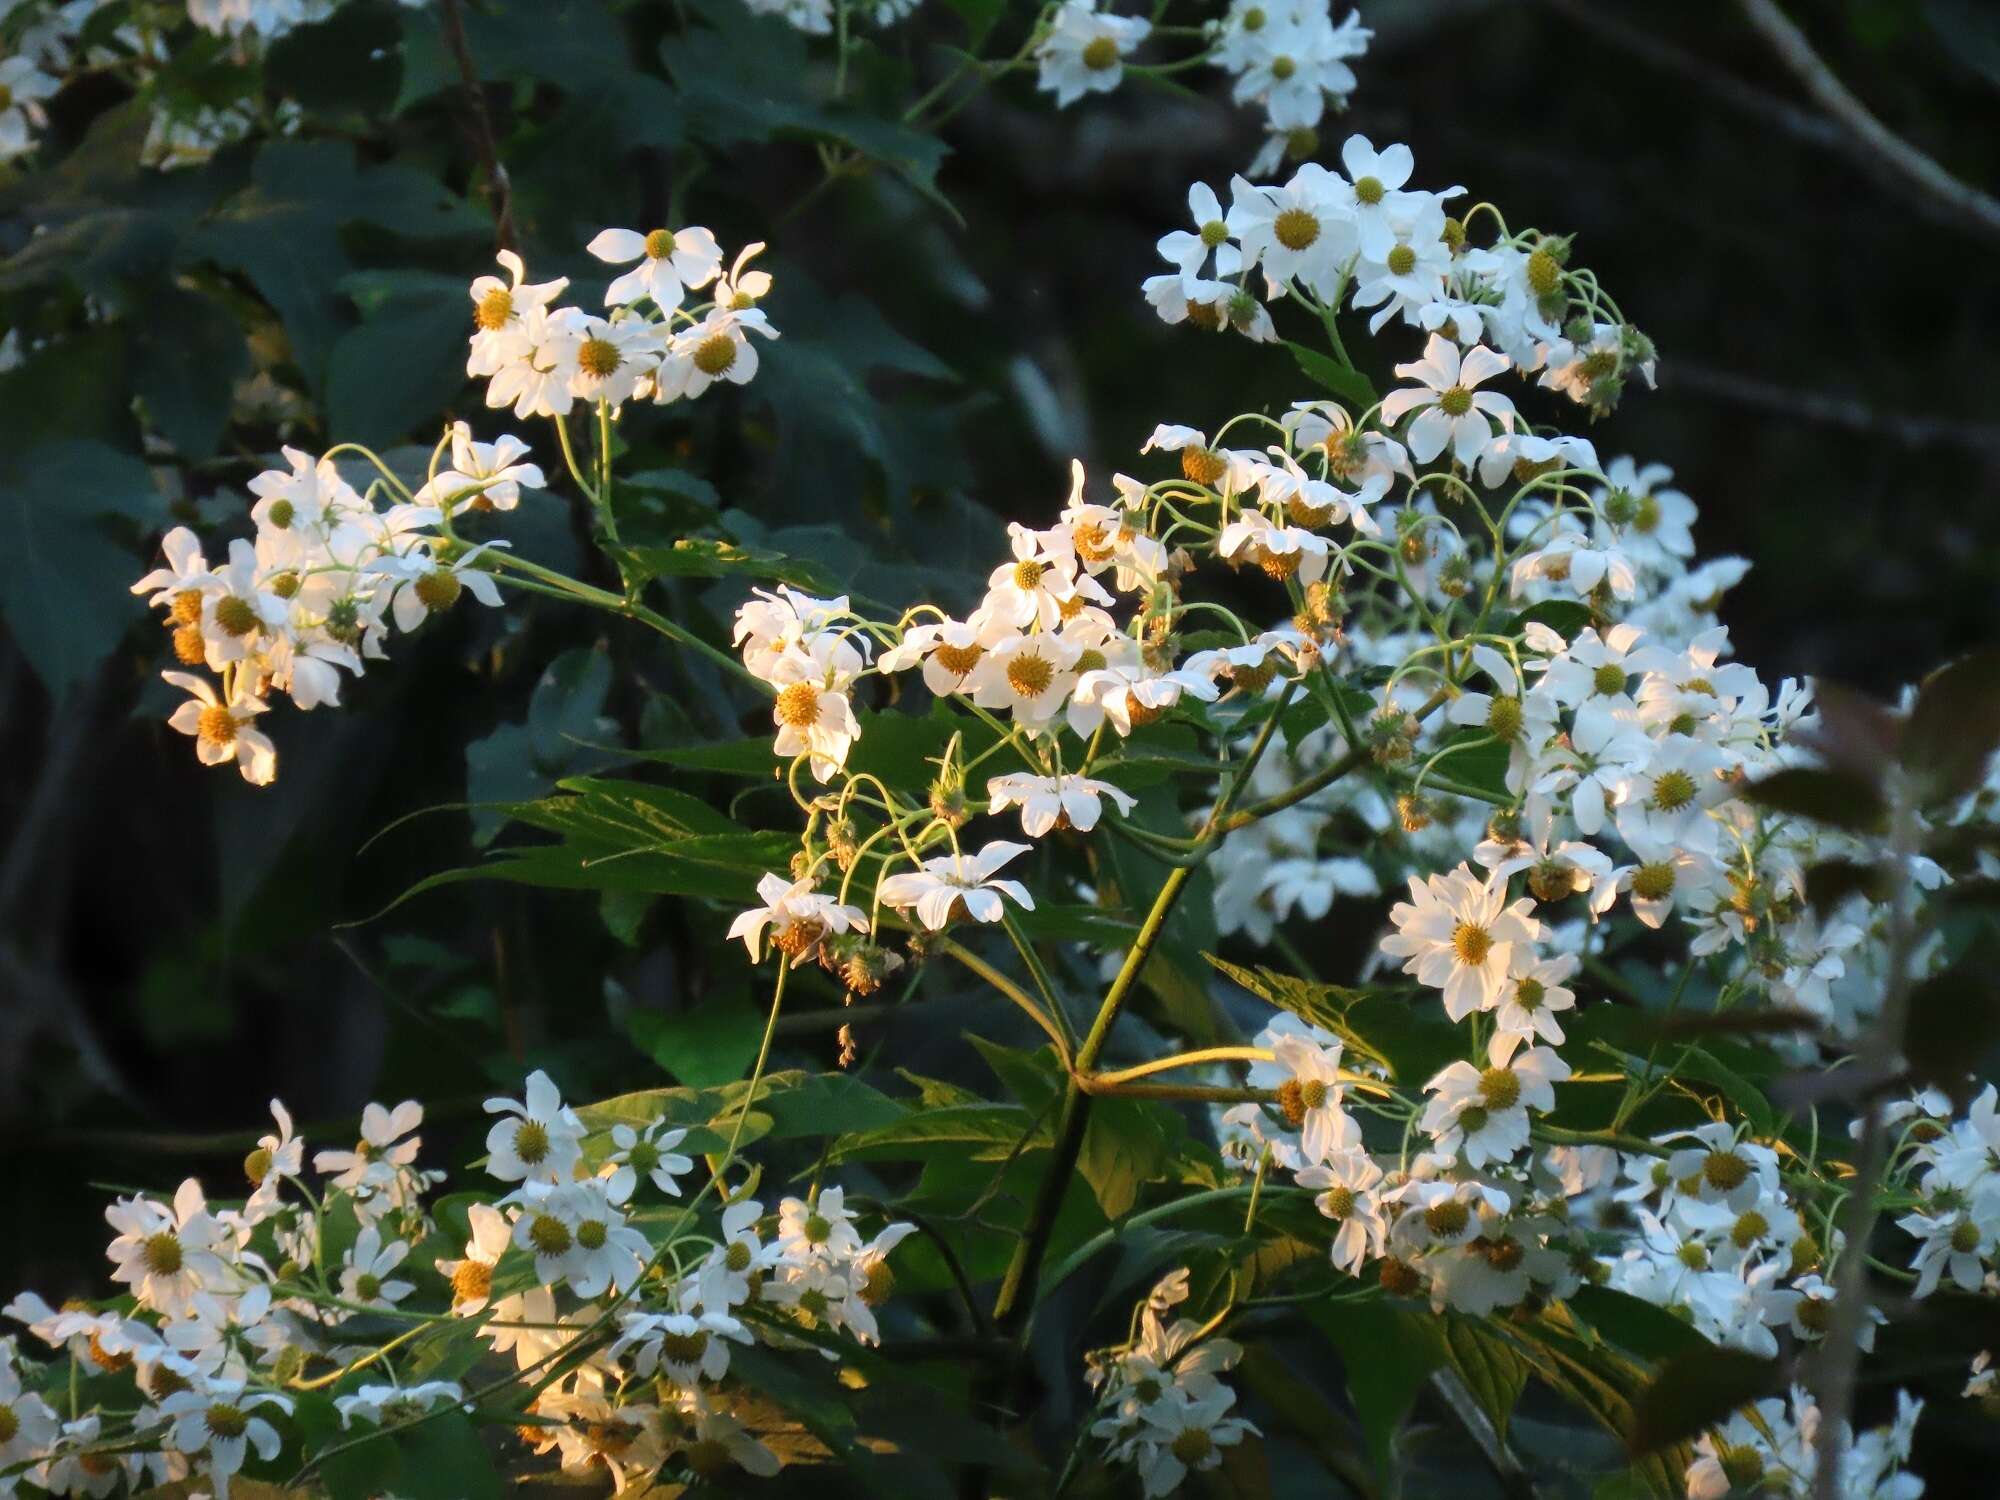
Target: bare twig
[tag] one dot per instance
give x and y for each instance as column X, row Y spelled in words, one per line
column 1872, row 142
column 1801, row 124
column 499, row 191
column 1831, row 409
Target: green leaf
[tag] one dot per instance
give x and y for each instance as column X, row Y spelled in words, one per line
column 405, row 363
column 350, row 62
column 443, row 1459
column 65, row 583
column 1490, row 1366
column 1695, row 1390
column 1126, row 1144
column 980, row 1132
column 713, row 1043
column 1566, row 617
column 712, row 557
column 1322, row 1005
column 1634, row 1324
column 518, row 762
column 1389, row 1350
column 1954, row 726
column 187, row 354
column 1344, row 381
column 1838, row 798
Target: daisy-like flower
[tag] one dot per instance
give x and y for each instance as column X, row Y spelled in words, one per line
column 1723, row 1167
column 1458, row 935
column 28, row 1424
column 723, row 1280
column 1539, row 990
column 1281, row 551
column 685, row 1347
column 471, row 1277
column 541, row 1138
column 650, row 1154
column 1344, row 1187
column 179, row 587
column 1436, row 1212
column 482, row 476
column 1189, row 251
column 950, row 650
column 670, row 263
column 1028, row 676
column 386, row 1147
column 1311, row 1094
column 168, row 1255
column 218, row 1424
column 609, row 361
column 23, row 87
column 811, row 711
column 501, row 314
column 367, row 1270
column 1084, row 51
column 1576, row 563
column 276, row 1158
column 717, row 348
column 1481, row 1114
column 607, row 1255
column 1452, row 412
column 822, row 1229
column 799, row 919
column 961, row 887
column 742, row 287
column 379, row 1404
column 1301, row 230
column 426, row 586
column 719, row 1442
column 1186, row 1434
column 1047, row 802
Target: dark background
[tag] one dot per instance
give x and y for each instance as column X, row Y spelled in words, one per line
column 168, row 953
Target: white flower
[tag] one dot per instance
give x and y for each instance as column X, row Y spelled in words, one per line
column 220, row 1423
column 1344, row 1186
column 23, row 87
column 276, row 1158
column 1482, row 1114
column 1454, row 414
column 385, row 1148
column 1188, row 252
column 482, row 476
column 1311, row 1095
column 532, row 363
column 717, row 348
column 424, row 586
column 811, row 711
column 822, row 1229
column 501, row 313
column 671, row 262
column 1302, row 230
column 365, row 1270
column 1084, row 51
column 1047, row 802
column 958, row 886
column 683, row 1346
column 167, row 1256
column 1184, row 1433
column 1458, row 935
column 471, row 1277
column 648, row 1154
column 396, row 1404
column 799, row 918
column 723, row 1279
column 28, row 1424
column 715, row 1430
column 540, row 1141
column 1538, row 991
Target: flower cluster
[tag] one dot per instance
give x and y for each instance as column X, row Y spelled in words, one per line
column 1364, row 239
column 1771, row 1451
column 1163, row 1407
column 1289, row 59
column 617, row 1318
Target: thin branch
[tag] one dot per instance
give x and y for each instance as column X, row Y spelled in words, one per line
column 499, row 191
column 1872, row 142
column 1832, row 409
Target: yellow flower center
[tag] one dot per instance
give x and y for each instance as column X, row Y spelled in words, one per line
column 549, row 1235
column 1725, row 1170
column 1369, row 190
column 226, row 1421
column 592, row 1233
column 1447, row 1218
column 472, row 1281
column 1544, row 273
column 1503, row 718
column 236, row 616
column 493, row 310
column 1500, row 1088
column 1455, row 402
column 531, row 1142
column 1192, row 1445
column 439, row 589
column 257, row 1166
column 1402, row 260
column 659, row 244
column 1673, row 791
column 1296, row 229
column 217, row 725
column 1471, row 943
column 959, row 660
column 1201, row 465
column 715, row 354
column 1337, row 1202
column 599, row 358
column 684, row 1348
column 798, row 705
column 1654, row 881
column 1029, row 673
column 1028, row 575
column 1099, row 53
column 1283, row 67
